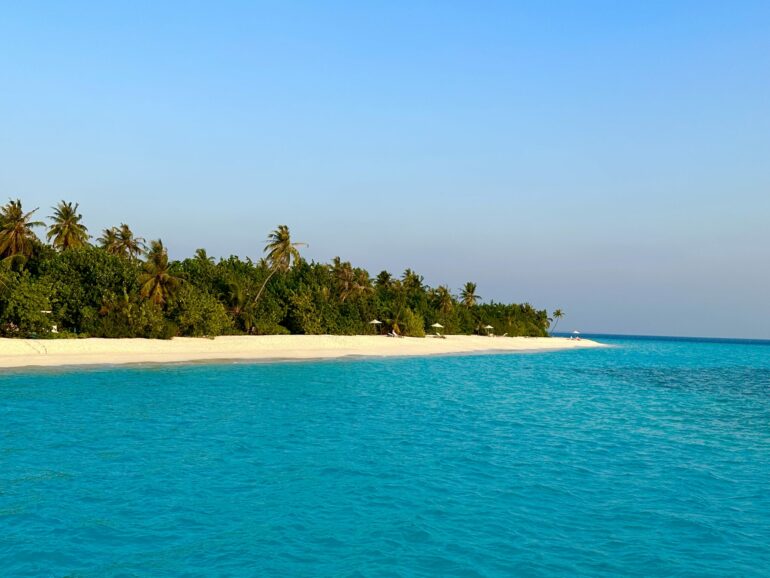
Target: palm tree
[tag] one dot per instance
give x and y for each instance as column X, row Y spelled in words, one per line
column 128, row 244
column 281, row 254
column 349, row 281
column 363, row 284
column 344, row 278
column 412, row 281
column 384, row 279
column 67, row 232
column 122, row 242
column 444, row 299
column 156, row 281
column 202, row 257
column 237, row 301
column 109, row 241
column 468, row 295
column 16, row 235
column 398, row 305
column 558, row 314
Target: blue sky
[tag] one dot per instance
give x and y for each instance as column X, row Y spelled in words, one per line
column 608, row 158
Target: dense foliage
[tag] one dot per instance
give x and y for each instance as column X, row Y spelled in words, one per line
column 120, row 288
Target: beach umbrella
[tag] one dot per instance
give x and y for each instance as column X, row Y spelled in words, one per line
column 488, row 327
column 576, row 334
column 437, row 326
column 374, row 323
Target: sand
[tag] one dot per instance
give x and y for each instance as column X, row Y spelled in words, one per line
column 62, row 352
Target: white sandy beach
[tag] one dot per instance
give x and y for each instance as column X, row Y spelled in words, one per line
column 62, row 352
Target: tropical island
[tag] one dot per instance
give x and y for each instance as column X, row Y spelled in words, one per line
column 120, row 286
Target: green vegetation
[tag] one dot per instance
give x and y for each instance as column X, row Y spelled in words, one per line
column 67, row 232
column 120, row 288
column 557, row 315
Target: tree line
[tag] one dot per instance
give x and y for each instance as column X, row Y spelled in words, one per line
column 123, row 286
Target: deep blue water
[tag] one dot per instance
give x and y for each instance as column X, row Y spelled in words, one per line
column 651, row 458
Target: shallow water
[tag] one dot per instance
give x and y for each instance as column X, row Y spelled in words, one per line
column 648, row 458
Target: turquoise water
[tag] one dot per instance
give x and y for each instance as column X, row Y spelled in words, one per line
column 649, row 458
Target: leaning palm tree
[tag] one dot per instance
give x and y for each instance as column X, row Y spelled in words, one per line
column 558, row 314
column 468, row 295
column 67, row 232
column 156, row 281
column 281, row 254
column 16, row 235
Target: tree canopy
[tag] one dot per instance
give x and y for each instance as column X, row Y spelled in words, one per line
column 121, row 288
column 66, row 231
column 16, row 235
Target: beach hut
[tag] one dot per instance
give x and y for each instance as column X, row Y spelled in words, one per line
column 375, row 323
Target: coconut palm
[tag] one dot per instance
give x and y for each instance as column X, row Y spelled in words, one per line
column 384, row 280
column 238, row 305
column 558, row 314
column 281, row 254
column 67, row 232
column 202, row 257
column 109, row 241
column 412, row 281
column 363, row 283
column 129, row 245
column 443, row 299
column 468, row 295
column 349, row 281
column 122, row 242
column 156, row 281
column 344, row 278
column 16, row 235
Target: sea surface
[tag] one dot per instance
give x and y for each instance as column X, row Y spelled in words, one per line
column 648, row 458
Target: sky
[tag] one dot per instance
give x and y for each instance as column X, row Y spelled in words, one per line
column 609, row 158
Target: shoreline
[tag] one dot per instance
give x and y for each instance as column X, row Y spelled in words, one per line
column 22, row 353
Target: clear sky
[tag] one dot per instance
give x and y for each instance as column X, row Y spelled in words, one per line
column 609, row 158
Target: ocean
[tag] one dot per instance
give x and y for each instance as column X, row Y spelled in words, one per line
column 647, row 458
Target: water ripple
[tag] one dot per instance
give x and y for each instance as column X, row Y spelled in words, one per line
column 650, row 458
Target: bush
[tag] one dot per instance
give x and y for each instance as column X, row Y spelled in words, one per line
column 303, row 316
column 197, row 313
column 81, row 279
column 266, row 327
column 151, row 324
column 413, row 324
column 24, row 305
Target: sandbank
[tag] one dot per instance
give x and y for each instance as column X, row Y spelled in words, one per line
column 93, row 351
